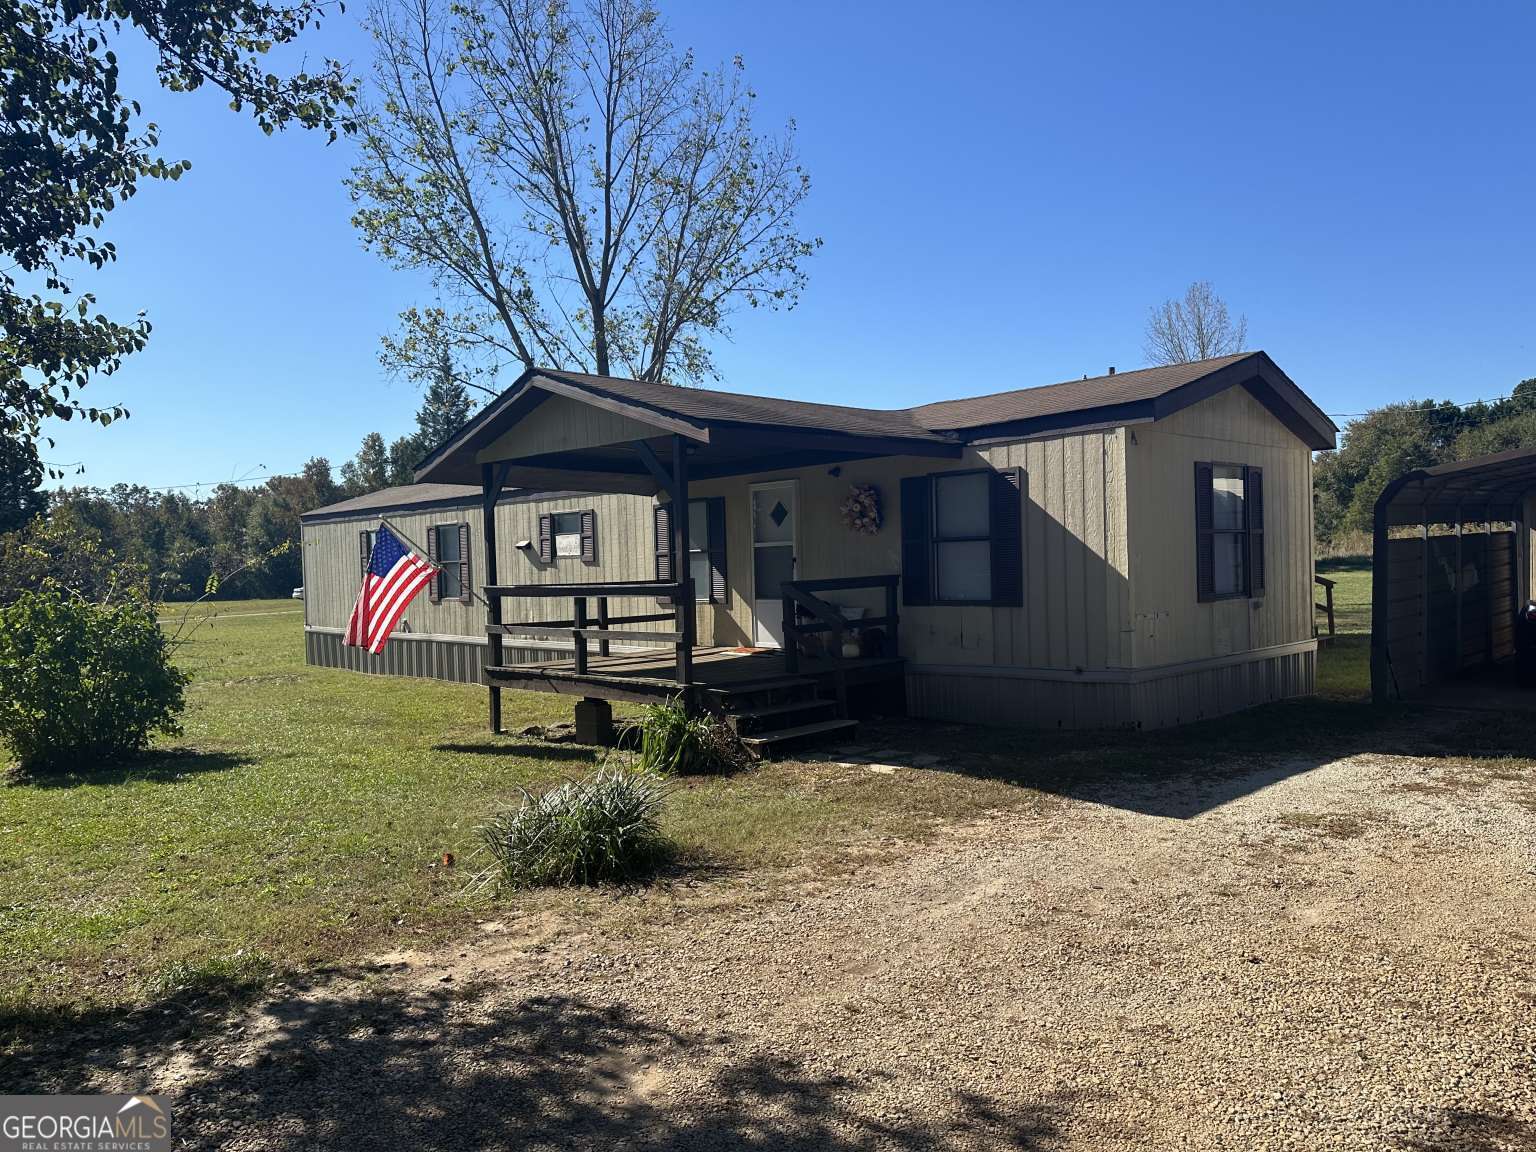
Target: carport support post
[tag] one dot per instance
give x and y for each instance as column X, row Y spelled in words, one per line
column 1381, row 567
column 1460, row 566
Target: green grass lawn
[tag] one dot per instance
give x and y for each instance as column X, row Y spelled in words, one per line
column 303, row 816
column 1344, row 666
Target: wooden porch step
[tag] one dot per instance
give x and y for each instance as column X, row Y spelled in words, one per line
column 730, row 694
column 767, row 745
column 753, row 719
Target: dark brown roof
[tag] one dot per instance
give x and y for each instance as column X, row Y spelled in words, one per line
column 416, row 497
column 703, row 404
column 1070, row 396
column 1481, row 488
column 718, row 421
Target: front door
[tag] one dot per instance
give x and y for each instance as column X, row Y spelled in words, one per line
column 773, row 558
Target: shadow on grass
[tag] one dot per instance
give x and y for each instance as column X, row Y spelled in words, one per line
column 1176, row 772
column 155, row 767
column 388, row 1068
column 531, row 750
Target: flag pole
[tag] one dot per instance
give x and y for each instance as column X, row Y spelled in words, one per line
column 396, row 529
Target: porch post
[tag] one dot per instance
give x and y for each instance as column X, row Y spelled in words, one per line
column 684, row 608
column 489, row 490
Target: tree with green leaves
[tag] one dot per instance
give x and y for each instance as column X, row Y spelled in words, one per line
column 73, row 146
column 369, row 470
column 21, row 475
column 580, row 193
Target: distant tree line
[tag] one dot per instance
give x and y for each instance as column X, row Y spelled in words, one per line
column 241, row 542
column 1388, row 441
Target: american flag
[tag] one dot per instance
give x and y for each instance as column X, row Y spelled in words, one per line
column 395, row 574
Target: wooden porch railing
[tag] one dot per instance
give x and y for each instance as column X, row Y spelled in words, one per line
column 585, row 625
column 1327, row 606
column 801, row 600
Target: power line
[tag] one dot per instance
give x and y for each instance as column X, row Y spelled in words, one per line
column 1438, row 407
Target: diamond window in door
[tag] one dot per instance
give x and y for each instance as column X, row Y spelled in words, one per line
column 773, row 522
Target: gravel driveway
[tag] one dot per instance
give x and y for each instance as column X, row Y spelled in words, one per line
column 1336, row 956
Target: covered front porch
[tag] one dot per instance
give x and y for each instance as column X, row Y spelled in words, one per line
column 786, row 641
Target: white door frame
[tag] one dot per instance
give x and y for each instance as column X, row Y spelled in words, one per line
column 793, row 485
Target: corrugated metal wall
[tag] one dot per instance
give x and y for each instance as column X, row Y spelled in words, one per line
column 1432, row 632
column 434, row 657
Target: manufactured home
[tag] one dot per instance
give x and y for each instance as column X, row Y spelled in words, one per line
column 1130, row 550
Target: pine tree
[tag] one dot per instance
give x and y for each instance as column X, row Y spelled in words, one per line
column 444, row 408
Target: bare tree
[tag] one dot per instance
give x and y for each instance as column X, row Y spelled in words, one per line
column 1194, row 328
column 581, row 195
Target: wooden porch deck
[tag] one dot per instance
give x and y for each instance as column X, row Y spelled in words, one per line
column 718, row 673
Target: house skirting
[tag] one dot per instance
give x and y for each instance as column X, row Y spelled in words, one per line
column 460, row 659
column 1112, row 698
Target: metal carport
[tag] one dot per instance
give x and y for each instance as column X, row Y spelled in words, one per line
column 1444, row 598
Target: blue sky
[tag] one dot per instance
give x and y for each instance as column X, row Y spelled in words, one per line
column 1003, row 191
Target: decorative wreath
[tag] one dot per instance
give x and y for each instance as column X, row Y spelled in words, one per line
column 861, row 510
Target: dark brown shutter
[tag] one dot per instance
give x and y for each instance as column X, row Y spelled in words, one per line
column 719, row 587
column 917, row 540
column 661, row 526
column 1253, row 491
column 546, row 539
column 435, row 588
column 1008, row 537
column 465, row 592
column 588, row 536
column 661, row 520
column 363, row 552
column 1205, row 541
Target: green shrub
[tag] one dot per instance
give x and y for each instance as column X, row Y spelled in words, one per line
column 604, row 827
column 674, row 743
column 82, row 682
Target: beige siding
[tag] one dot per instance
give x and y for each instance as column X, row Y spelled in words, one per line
column 559, row 425
column 1075, row 612
column 1171, row 626
column 332, row 568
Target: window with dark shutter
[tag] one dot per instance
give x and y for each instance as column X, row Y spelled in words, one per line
column 916, row 540
column 962, row 537
column 435, row 588
column 546, row 538
column 448, row 548
column 1229, row 531
column 365, row 540
column 706, row 549
column 465, row 594
column 589, row 536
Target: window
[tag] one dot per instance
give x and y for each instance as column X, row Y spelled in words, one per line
column 365, row 540
column 448, row 548
column 706, row 547
column 1229, row 531
column 962, row 535
column 962, row 538
column 568, row 535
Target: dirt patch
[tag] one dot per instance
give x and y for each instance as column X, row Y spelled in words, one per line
column 1281, row 956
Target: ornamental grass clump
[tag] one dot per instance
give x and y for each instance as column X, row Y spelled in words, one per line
column 673, row 743
column 602, row 828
